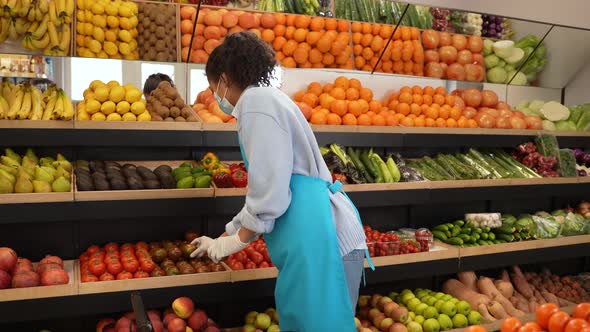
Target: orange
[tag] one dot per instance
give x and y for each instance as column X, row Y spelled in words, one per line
column 441, row 91
column 337, row 48
column 315, row 88
column 376, row 29
column 378, row 120
column 438, row 99
column 354, row 83
column 455, row 113
column 268, row 20
column 342, row 82
column 472, row 123
column 290, row 21
column 356, row 27
column 366, row 40
column 415, row 109
column 444, row 113
column 432, row 113
column 298, row 97
column 334, row 119
column 387, row 66
column 359, row 61
column 462, row 122
column 325, row 111
column 280, row 56
column 279, row 30
column 324, row 44
column 330, row 24
column 289, row 47
column 317, row 24
column 289, row 32
column 417, row 90
column 393, row 105
column 302, row 21
column 300, row 55
column 338, row 93
column 403, row 108
column 407, row 122
column 310, row 99
column 356, row 38
column 451, row 123
column 475, row 328
column 364, row 105
column 367, row 53
column 328, row 87
column 385, row 31
column 343, row 26
column 300, row 35
column 417, row 98
column 278, row 43
column 352, row 94
column 364, row 120
column 318, row 118
column 326, row 100
column 355, row 108
column 366, row 94
column 576, row 325
column 428, row 90
column 339, row 107
column 349, row 120
column 544, row 313
column 582, row 311
column 429, row 122
column 405, row 97
column 391, row 120
column 375, row 106
column 532, row 327
column 420, row 122
column 440, row 122
column 315, row 57
column 313, row 37
column 450, row 100
column 268, row 35
column 281, row 18
column 377, row 44
column 427, row 100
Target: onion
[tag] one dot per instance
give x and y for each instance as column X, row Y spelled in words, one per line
column 489, row 98
column 448, row 54
column 503, row 123
column 431, row 56
column 434, row 69
column 459, row 42
column 517, row 122
column 475, row 44
column 472, row 97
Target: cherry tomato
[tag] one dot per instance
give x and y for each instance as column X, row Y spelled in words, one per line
column 106, row 277
column 84, row 258
column 124, row 275
column 100, row 255
column 576, row 325
column 530, row 327
column 142, row 245
column 128, row 246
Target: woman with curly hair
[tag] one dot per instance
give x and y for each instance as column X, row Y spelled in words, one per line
column 311, row 228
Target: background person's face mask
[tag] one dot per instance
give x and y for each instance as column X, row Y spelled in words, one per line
column 224, row 104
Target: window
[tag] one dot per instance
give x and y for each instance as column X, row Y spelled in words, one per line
column 148, row 69
column 83, row 71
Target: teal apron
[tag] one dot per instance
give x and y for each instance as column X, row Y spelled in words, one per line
column 311, row 293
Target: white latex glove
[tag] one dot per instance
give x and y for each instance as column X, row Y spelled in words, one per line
column 203, row 243
column 225, row 246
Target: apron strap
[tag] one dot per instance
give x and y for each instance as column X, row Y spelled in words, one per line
column 337, row 187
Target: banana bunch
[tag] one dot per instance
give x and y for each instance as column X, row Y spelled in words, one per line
column 61, row 11
column 58, row 105
column 25, row 102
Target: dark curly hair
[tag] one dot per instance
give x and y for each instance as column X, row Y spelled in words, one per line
column 244, row 58
column 153, row 81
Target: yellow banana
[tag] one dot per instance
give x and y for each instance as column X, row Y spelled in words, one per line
column 81, row 4
column 42, row 43
column 70, row 7
column 3, row 107
column 59, row 108
column 64, row 43
column 34, row 26
column 61, row 7
column 12, row 33
column 31, row 14
column 26, row 42
column 53, row 12
column 38, row 14
column 25, row 109
column 11, row 6
column 43, row 6
column 37, row 108
column 2, row 4
column 24, row 8
column 51, row 30
column 68, row 113
column 49, row 107
column 15, row 107
column 22, row 25
column 4, row 22
column 39, row 32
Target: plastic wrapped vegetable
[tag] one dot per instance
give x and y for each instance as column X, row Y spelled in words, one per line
column 343, row 165
column 547, row 145
column 409, row 174
column 547, row 226
column 567, row 163
column 574, row 224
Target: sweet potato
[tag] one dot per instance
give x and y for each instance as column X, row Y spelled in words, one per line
column 539, row 297
column 550, row 297
column 457, row 289
column 522, row 285
column 508, row 307
column 496, row 309
column 486, row 287
column 522, row 305
column 504, row 276
column 469, row 279
column 505, row 288
column 564, row 302
column 485, row 314
column 533, row 305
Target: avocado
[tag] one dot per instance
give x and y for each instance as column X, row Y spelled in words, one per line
column 163, row 168
column 146, row 174
column 119, row 184
column 84, row 184
column 101, row 184
column 151, row 184
column 108, row 164
column 95, row 165
column 168, row 181
column 134, row 183
column 99, row 176
column 130, row 172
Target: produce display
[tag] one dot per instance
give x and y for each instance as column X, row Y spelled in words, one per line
column 299, row 41
column 388, row 12
column 234, row 176
column 557, row 116
column 188, row 175
column 267, row 321
column 454, row 57
column 154, row 40
column 254, row 256
column 507, row 61
column 107, row 29
column 29, row 174
column 165, row 104
column 549, row 317
column 112, row 102
column 582, row 162
column 181, row 316
column 43, row 25
column 405, row 54
column 26, row 102
column 312, row 8
column 389, row 244
column 18, row 272
column 541, row 162
column 415, row 311
column 208, row 109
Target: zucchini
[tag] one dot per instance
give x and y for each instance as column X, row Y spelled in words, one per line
column 443, row 228
column 491, row 236
column 459, row 223
column 298, row 7
column 289, row 6
column 482, row 242
column 467, row 171
column 395, row 13
column 358, row 164
column 479, row 159
column 456, row 231
column 364, row 157
column 338, row 9
column 370, row 12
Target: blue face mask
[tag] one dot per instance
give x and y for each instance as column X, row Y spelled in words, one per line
column 224, row 104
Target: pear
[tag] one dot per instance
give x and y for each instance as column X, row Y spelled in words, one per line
column 46, row 161
column 5, row 186
column 28, row 163
column 7, row 161
column 12, row 155
column 41, row 186
column 7, row 176
column 60, row 157
column 24, row 173
column 23, row 185
column 42, row 175
column 64, row 163
column 31, row 155
column 61, row 185
column 60, row 171
column 10, row 170
column 50, row 170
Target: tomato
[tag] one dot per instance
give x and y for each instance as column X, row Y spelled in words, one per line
column 530, row 327
column 486, row 121
column 141, row 274
column 558, row 321
column 475, row 44
column 266, row 256
column 124, row 275
column 84, row 258
column 114, row 268
column 237, row 266
column 517, row 123
column 263, row 265
column 142, row 245
column 96, row 267
column 475, row 328
column 128, row 246
column 469, row 112
column 582, row 311
column 503, row 106
column 141, row 254
column 249, row 250
column 576, row 325
column 256, row 257
column 241, row 257
column 489, row 98
column 434, row 70
column 147, row 265
column 533, row 122
column 430, row 39
column 260, row 247
column 250, row 265
column 92, row 249
column 111, row 246
column 89, row 278
column 106, row 277
column 472, row 97
column 503, row 123
column 455, row 71
column 111, row 256
column 131, row 265
column 98, row 254
column 445, row 39
column 544, row 312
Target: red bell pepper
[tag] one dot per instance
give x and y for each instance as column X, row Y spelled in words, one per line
column 223, row 180
column 240, row 178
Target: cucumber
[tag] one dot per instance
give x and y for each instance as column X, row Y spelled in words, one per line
column 413, row 16
column 476, row 236
column 358, row 164
column 404, row 17
column 466, row 230
column 482, row 242
column 443, row 228
column 354, row 12
column 448, row 233
column 504, row 229
column 484, row 236
column 478, row 230
column 362, row 9
column 505, row 237
column 455, row 241
column 487, row 229
column 439, row 235
column 456, row 231
column 464, row 237
column 491, row 236
column 370, row 12
column 441, row 161
column 478, row 159
column 459, row 223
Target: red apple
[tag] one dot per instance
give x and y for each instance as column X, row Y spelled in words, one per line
column 124, row 323
column 52, row 260
column 183, row 307
column 153, row 315
column 197, row 320
column 157, row 325
column 5, row 279
column 41, row 268
column 22, row 264
column 378, row 319
column 176, row 325
column 104, row 323
column 169, row 317
column 8, row 259
column 383, row 301
column 388, row 308
column 375, row 300
column 386, row 324
column 25, row 279
column 55, row 277
column 398, row 327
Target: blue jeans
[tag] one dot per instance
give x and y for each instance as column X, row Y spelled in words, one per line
column 353, row 269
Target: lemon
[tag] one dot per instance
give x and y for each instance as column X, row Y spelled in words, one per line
column 124, row 23
column 133, row 44
column 100, row 21
column 114, row 117
column 112, row 22
column 111, row 35
column 96, row 84
column 94, row 45
column 129, row 117
column 110, row 48
column 132, row 6
column 133, row 21
column 112, row 9
column 133, row 95
column 145, row 116
column 124, row 48
column 80, row 27
column 80, row 40
column 88, row 29
column 134, row 32
column 98, row 34
column 117, row 94
column 111, row 84
column 124, row 35
column 98, row 117
column 88, row 16
column 81, row 16
column 138, row 107
column 97, row 8
column 132, row 56
column 83, row 116
column 116, row 56
column 123, row 107
column 87, row 53
column 102, row 55
column 102, row 93
column 81, row 106
column 108, row 107
column 92, row 106
column 88, row 94
column 125, row 11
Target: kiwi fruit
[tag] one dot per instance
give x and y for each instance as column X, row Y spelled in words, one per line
column 119, row 184
column 192, row 118
column 174, row 112
column 152, row 184
column 180, row 119
column 161, row 45
column 163, row 111
column 134, row 184
column 167, row 102
column 157, row 118
column 178, row 102
column 146, row 174
column 164, row 85
column 84, row 184
column 161, row 56
column 101, row 184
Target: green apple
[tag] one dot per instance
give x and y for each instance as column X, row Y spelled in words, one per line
column 414, row 327
column 431, row 325
column 421, row 293
column 453, row 300
column 262, row 321
column 406, row 291
column 445, row 322
column 474, row 318
column 419, row 319
column 430, row 312
column 463, row 308
column 411, row 315
column 459, row 321
column 439, row 295
column 420, row 308
column 449, row 309
column 407, row 297
column 251, row 317
column 438, row 305
column 273, row 328
column 431, row 301
column 393, row 295
column 413, row 303
column 446, row 297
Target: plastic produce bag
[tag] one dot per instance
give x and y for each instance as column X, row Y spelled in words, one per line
column 574, row 224
column 547, row 226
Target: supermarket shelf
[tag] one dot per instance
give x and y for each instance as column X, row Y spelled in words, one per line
column 145, row 125
column 36, row 198
column 41, row 124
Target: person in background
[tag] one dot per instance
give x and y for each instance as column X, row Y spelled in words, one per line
column 153, row 81
column 312, row 230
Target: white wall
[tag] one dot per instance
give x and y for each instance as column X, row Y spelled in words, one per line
column 578, row 90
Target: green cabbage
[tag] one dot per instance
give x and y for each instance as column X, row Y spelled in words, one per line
column 497, row 75
column 565, row 125
column 491, row 61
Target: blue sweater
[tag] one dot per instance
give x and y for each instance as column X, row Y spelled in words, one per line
column 278, row 142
